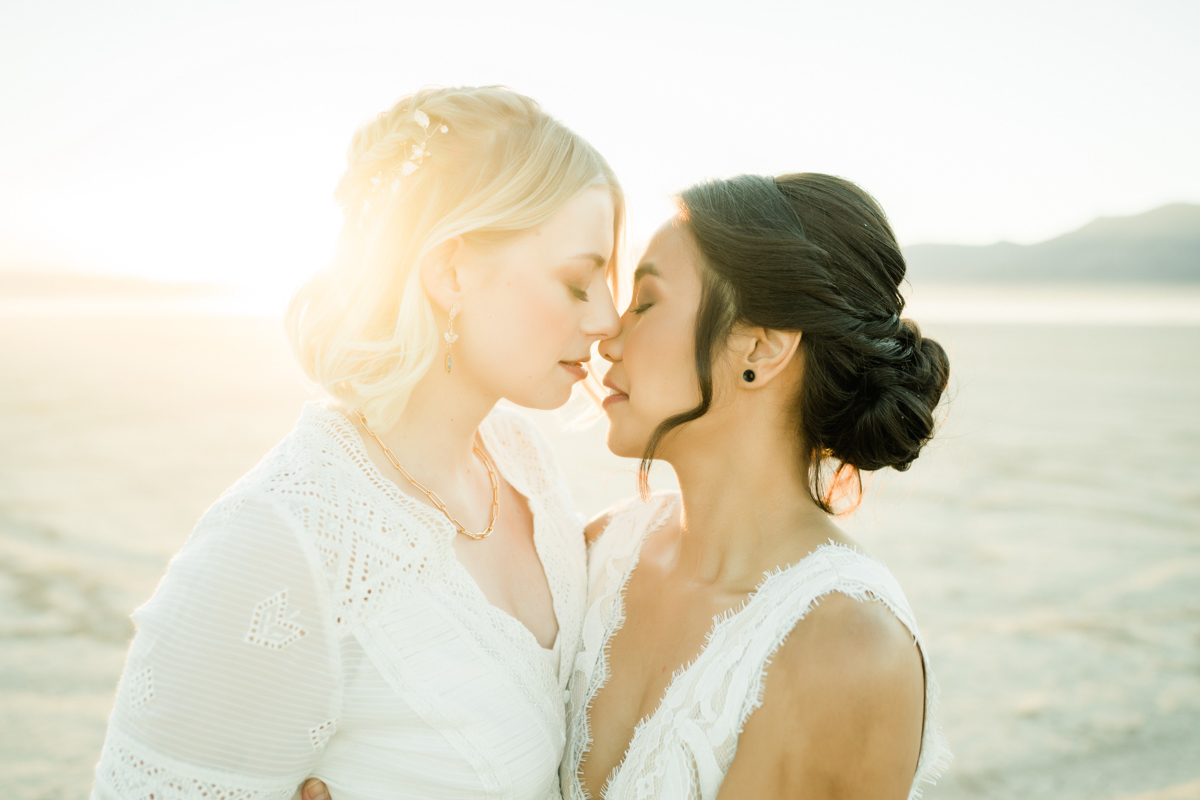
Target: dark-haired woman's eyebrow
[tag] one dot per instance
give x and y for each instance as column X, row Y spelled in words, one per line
column 644, row 269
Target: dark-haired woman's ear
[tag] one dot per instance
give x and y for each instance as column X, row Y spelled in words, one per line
column 762, row 354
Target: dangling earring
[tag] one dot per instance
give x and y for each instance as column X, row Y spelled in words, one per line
column 450, row 336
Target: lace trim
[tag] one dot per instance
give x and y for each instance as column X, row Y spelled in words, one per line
column 602, row 620
column 935, row 748
column 132, row 772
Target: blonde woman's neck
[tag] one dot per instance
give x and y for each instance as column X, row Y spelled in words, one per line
column 434, row 441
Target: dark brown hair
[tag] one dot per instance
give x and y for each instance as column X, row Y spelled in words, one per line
column 814, row 253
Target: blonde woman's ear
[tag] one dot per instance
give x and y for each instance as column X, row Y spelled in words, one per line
column 440, row 273
column 315, row 789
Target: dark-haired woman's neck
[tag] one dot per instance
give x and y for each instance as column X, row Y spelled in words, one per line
column 746, row 506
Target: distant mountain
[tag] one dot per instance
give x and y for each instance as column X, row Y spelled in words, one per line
column 1159, row 246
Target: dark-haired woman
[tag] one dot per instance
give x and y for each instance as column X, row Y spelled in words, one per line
column 738, row 644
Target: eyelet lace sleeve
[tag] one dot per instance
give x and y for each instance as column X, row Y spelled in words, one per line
column 232, row 684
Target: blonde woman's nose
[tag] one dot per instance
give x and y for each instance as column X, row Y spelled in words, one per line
column 604, row 319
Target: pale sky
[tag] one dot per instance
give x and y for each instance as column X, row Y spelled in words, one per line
column 202, row 140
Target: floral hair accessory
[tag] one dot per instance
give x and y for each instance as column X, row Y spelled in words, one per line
column 416, row 156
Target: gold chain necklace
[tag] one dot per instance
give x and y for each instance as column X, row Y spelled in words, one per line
column 433, row 498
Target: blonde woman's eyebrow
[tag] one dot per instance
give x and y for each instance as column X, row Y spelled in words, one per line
column 599, row 260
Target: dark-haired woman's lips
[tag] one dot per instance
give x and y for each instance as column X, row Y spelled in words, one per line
column 576, row 368
column 615, row 395
column 613, row 398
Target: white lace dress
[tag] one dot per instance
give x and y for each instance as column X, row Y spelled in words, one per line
column 317, row 622
column 683, row 750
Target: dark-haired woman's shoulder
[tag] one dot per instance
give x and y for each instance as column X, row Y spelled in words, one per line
column 842, row 710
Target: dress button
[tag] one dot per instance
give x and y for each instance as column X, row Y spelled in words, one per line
column 566, row 695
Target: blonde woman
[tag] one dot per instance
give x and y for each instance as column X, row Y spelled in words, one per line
column 387, row 601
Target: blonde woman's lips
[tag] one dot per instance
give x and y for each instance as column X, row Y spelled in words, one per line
column 576, row 368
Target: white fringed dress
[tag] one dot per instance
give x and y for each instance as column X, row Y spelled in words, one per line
column 683, row 750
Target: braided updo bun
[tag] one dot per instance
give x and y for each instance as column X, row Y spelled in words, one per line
column 815, row 253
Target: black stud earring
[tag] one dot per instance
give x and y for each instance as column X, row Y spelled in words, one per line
column 748, row 376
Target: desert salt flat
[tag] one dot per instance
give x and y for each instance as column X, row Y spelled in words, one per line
column 1049, row 541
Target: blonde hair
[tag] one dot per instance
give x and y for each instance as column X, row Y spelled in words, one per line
column 364, row 329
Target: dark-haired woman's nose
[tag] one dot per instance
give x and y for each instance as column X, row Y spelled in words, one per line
column 612, row 347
